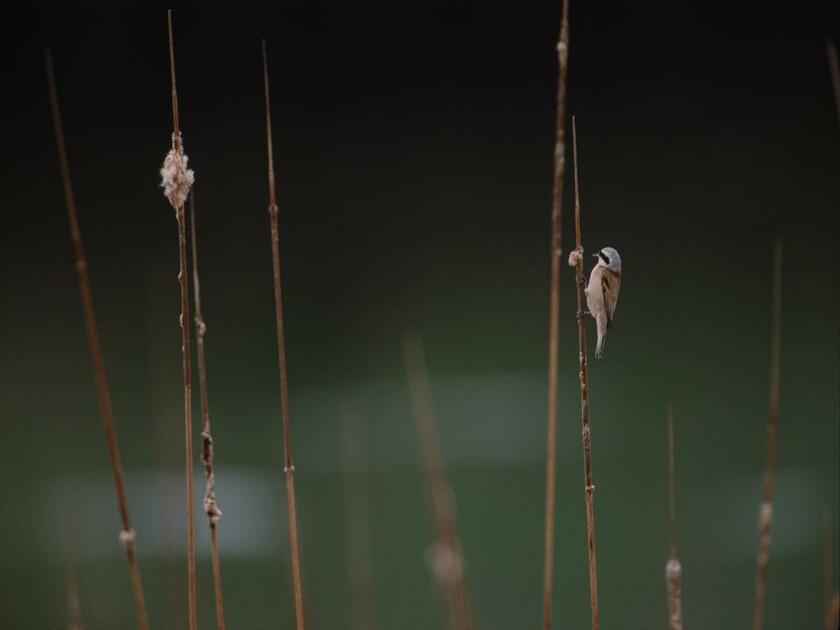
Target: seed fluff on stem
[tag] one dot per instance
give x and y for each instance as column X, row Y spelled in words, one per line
column 211, row 507
column 103, row 391
column 673, row 568
column 177, row 179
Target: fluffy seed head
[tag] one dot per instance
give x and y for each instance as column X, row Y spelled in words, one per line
column 176, row 178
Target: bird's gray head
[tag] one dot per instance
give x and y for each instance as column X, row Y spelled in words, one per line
column 609, row 258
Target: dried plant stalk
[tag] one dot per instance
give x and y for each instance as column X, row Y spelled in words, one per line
column 445, row 555
column 554, row 317
column 95, row 349
column 765, row 518
column 211, row 507
column 832, row 617
column 357, row 513
column 182, row 178
column 589, row 486
column 288, row 464
column 673, row 568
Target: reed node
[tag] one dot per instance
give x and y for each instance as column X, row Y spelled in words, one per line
column 288, row 464
column 554, row 319
column 765, row 515
column 444, row 554
column 176, row 182
column 673, row 568
column 589, row 487
column 211, row 507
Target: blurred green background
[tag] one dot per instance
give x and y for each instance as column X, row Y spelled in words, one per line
column 414, row 149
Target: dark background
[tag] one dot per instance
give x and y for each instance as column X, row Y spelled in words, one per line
column 414, row 149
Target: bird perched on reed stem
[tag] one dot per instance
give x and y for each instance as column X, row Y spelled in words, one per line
column 602, row 293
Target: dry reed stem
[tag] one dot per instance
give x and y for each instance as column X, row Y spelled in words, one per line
column 211, row 508
column 554, row 319
column 673, row 568
column 288, row 464
column 445, row 553
column 185, row 351
column 95, row 349
column 589, row 487
column 834, row 69
column 832, row 617
column 357, row 513
column 827, row 563
column 765, row 518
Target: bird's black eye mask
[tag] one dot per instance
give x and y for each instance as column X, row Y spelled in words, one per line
column 604, row 258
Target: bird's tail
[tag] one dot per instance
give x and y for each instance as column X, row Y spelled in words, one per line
column 602, row 338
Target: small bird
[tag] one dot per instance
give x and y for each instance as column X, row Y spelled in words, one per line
column 602, row 293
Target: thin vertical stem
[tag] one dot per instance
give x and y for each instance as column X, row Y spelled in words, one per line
column 95, row 349
column 832, row 617
column 288, row 464
column 211, row 508
column 589, row 486
column 554, row 317
column 445, row 553
column 673, row 568
column 765, row 519
column 176, row 125
column 185, row 352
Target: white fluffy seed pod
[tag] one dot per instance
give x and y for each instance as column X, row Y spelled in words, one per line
column 127, row 537
column 176, row 178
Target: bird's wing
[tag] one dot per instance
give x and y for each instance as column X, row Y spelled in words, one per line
column 610, row 284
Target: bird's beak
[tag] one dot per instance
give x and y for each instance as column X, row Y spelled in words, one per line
column 594, row 255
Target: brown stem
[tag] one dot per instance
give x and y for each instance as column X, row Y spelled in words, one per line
column 357, row 513
column 765, row 519
column 589, row 487
column 211, row 508
column 446, row 554
column 832, row 616
column 673, row 568
column 288, row 464
column 185, row 352
column 176, row 126
column 188, row 437
column 554, row 316
column 95, row 349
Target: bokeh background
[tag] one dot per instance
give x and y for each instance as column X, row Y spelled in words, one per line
column 414, row 149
